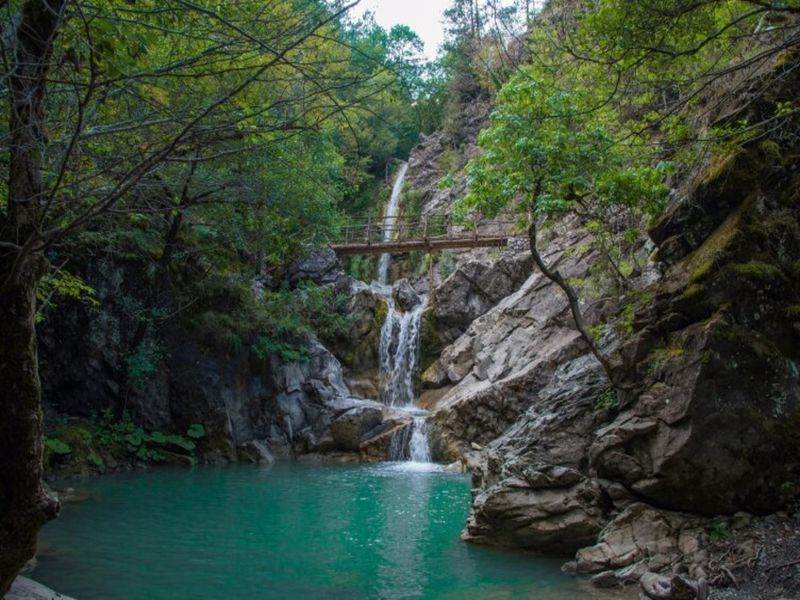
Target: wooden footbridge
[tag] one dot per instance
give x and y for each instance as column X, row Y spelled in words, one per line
column 429, row 233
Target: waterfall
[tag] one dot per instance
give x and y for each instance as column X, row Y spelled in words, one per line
column 399, row 353
column 399, row 361
column 389, row 221
column 419, row 448
column 411, row 443
column 399, row 349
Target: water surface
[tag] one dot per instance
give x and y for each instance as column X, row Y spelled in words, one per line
column 291, row 531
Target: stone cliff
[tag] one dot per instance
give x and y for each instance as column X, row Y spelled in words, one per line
column 703, row 430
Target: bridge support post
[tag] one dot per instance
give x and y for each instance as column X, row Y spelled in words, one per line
column 431, row 290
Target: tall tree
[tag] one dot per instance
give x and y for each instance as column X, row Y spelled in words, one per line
column 106, row 102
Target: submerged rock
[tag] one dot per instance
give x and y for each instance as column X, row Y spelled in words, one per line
column 26, row 589
column 255, row 452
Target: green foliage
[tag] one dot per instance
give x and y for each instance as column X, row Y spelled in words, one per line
column 278, row 323
column 56, row 446
column 143, row 363
column 545, row 152
column 80, row 446
column 196, row 431
column 59, row 283
column 447, row 181
column 719, row 531
column 793, row 312
column 608, row 400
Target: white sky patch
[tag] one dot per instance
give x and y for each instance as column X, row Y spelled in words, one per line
column 423, row 16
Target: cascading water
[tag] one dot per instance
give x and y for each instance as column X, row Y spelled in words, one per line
column 389, row 220
column 399, row 349
column 399, row 360
column 399, row 353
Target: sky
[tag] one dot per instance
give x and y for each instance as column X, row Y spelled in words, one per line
column 423, row 16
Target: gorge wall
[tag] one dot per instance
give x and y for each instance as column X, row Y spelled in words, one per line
column 701, row 430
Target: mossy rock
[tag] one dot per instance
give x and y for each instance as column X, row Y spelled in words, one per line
column 431, row 343
column 381, row 311
column 758, row 271
column 717, row 247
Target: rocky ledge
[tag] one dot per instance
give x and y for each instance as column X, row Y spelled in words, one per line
column 676, row 477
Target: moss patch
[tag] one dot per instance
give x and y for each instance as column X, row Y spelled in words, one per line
column 756, row 270
column 431, row 344
column 707, row 258
column 381, row 311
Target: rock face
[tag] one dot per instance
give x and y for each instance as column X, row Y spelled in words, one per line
column 718, row 355
column 472, row 289
column 706, row 349
column 405, row 296
column 359, row 350
column 252, row 407
column 321, row 267
column 514, row 358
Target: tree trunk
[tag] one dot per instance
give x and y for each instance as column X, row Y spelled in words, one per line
column 572, row 297
column 24, row 504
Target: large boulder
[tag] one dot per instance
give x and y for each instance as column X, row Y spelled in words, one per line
column 321, row 267
column 554, row 510
column 256, row 452
column 358, row 350
column 475, row 287
column 405, row 296
column 350, row 427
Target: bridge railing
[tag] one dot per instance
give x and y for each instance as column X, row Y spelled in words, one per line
column 428, row 227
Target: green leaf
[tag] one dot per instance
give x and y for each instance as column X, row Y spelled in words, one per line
column 196, row 431
column 56, row 446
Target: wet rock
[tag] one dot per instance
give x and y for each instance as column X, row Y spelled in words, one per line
column 455, row 467
column 377, row 444
column 26, row 589
column 405, row 296
column 358, row 350
column 349, row 428
column 255, row 452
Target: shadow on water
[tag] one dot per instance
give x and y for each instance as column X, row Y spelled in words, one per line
column 293, row 531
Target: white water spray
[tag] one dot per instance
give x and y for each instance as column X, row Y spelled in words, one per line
column 389, row 222
column 399, row 349
column 399, row 353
